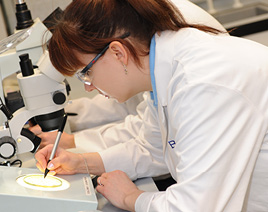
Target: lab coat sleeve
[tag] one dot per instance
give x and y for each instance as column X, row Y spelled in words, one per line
column 97, row 111
column 103, row 137
column 141, row 156
column 218, row 133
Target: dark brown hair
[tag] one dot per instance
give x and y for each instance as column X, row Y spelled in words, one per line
column 89, row 25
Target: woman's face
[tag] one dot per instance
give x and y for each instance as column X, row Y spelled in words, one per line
column 108, row 76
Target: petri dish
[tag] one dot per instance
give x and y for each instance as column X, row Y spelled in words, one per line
column 38, row 182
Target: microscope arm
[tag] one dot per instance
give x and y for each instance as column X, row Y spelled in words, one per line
column 16, row 124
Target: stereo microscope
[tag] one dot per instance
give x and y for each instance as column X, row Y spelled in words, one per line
column 43, row 89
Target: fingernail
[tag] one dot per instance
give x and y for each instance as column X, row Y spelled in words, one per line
column 50, row 165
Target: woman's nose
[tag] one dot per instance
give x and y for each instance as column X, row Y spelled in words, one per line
column 89, row 88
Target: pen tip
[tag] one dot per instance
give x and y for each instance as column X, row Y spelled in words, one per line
column 45, row 174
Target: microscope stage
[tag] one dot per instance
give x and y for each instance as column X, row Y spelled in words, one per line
column 77, row 195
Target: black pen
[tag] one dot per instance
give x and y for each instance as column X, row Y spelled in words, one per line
column 60, row 130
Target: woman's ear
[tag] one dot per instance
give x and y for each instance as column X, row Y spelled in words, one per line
column 118, row 50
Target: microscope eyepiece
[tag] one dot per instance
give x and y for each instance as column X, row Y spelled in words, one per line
column 23, row 15
column 26, row 65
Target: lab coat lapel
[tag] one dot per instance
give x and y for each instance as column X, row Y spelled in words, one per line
column 163, row 74
column 163, row 64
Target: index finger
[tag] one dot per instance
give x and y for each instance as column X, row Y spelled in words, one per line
column 43, row 155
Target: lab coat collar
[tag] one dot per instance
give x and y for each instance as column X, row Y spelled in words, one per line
column 164, row 54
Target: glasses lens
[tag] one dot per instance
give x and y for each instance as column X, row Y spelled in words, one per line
column 84, row 77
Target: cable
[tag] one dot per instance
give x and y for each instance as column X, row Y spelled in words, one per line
column 16, row 163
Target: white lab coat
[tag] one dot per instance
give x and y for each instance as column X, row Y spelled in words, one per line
column 97, row 111
column 209, row 127
column 102, row 123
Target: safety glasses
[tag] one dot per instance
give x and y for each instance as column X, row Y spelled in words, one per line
column 84, row 75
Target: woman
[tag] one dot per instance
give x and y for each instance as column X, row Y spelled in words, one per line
column 206, row 118
column 97, row 112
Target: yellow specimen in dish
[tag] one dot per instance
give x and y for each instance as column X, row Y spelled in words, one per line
column 40, row 181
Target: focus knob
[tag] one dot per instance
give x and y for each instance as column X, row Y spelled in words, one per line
column 59, row 98
column 7, row 147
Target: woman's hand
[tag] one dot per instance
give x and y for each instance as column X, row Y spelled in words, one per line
column 66, row 141
column 118, row 189
column 64, row 162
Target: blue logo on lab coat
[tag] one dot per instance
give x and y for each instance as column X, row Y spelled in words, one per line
column 172, row 143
